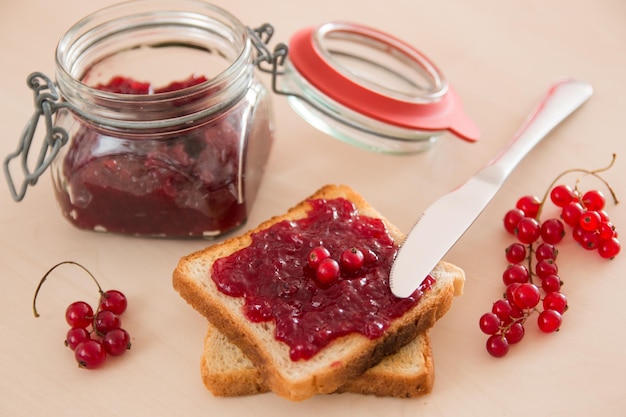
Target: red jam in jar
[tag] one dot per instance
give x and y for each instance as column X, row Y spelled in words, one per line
column 150, row 150
column 274, row 276
column 185, row 185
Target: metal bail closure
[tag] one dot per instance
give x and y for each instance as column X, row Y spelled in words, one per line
column 260, row 38
column 47, row 103
column 369, row 89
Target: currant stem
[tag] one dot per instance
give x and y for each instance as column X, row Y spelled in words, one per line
column 594, row 173
column 521, row 320
column 531, row 273
column 43, row 279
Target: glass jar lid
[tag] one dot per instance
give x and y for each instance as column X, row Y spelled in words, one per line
column 371, row 89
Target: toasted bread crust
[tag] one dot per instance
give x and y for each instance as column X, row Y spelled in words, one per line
column 384, row 381
column 227, row 372
column 320, row 374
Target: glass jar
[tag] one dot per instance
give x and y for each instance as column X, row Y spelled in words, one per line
column 168, row 130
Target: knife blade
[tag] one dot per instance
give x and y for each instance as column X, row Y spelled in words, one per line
column 444, row 222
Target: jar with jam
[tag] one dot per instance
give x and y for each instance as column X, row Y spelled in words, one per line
column 160, row 126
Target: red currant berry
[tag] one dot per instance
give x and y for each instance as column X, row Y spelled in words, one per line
column 562, row 195
column 317, row 255
column 369, row 257
column 530, row 205
column 607, row 230
column 514, row 333
column 116, row 342
column 528, row 230
column 76, row 335
column 489, row 323
column 556, row 301
column 578, row 233
column 604, row 215
column 90, row 354
column 589, row 240
column 593, row 200
column 516, row 253
column 609, row 248
column 511, row 219
column 79, row 314
column 590, row 220
column 545, row 268
column 503, row 310
column 515, row 273
column 114, row 301
column 497, row 345
column 508, row 293
column 549, row 321
column 551, row 283
column 526, row 296
column 552, row 231
column 351, row 259
column 571, row 213
column 516, row 312
column 106, row 321
column 327, row 271
column 545, row 251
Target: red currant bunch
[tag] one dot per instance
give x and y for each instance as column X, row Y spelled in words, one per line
column 327, row 270
column 93, row 335
column 532, row 280
column 591, row 226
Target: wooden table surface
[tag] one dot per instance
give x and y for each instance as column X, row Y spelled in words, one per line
column 500, row 56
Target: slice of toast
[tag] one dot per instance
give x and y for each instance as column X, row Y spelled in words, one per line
column 409, row 373
column 345, row 357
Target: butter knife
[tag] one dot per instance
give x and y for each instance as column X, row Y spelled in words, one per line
column 447, row 219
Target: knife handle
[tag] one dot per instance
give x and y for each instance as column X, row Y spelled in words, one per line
column 561, row 100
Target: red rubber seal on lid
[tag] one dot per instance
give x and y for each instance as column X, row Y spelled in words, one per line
column 312, row 62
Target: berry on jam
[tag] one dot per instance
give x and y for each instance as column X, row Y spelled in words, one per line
column 317, row 255
column 327, row 271
column 352, row 259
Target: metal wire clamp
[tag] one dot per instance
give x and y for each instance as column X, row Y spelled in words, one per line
column 47, row 103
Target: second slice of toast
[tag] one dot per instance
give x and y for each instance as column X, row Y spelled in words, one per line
column 409, row 373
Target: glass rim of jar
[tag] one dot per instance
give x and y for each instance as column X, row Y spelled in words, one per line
column 205, row 99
